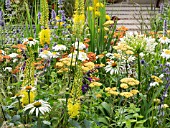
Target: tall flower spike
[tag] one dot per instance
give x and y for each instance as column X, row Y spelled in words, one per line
column 74, row 102
column 78, row 17
column 44, row 13
column 165, row 28
column 7, row 4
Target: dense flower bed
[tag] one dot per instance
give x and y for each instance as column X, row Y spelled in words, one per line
column 82, row 72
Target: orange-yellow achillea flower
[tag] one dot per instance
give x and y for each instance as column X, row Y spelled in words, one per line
column 44, row 36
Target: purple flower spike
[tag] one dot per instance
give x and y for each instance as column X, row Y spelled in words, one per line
column 53, row 14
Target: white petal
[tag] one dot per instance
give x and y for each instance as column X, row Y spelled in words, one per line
column 37, row 112
column 31, row 111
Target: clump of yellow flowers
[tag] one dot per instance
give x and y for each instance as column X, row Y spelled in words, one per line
column 44, row 36
column 64, row 64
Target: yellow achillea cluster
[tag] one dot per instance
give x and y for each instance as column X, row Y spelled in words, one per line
column 112, row 91
column 130, row 81
column 88, row 66
column 78, row 17
column 44, row 36
column 156, row 79
column 124, row 86
column 74, row 102
column 126, row 94
column 126, row 82
column 95, row 84
column 124, row 47
column 64, row 64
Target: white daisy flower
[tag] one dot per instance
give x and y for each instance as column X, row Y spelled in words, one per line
column 30, row 41
column 13, row 55
column 112, row 67
column 15, row 60
column 46, row 54
column 9, row 69
column 59, row 47
column 29, row 88
column 38, row 107
column 110, row 55
column 81, row 55
column 80, row 47
column 55, row 54
column 166, row 54
column 164, row 40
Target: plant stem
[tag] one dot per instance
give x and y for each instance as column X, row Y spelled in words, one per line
column 139, row 72
column 39, row 122
column 29, row 97
column 3, row 113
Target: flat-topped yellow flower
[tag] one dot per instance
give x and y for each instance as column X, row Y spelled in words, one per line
column 109, row 22
column 93, row 84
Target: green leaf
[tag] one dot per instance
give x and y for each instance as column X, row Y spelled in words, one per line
column 141, row 122
column 74, row 123
column 102, row 120
column 107, row 107
column 87, row 123
column 16, row 118
column 46, row 122
column 128, row 124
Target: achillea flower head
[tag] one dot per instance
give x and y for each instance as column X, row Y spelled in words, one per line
column 130, row 81
column 44, row 36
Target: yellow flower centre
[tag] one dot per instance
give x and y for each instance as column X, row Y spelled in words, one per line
column 114, row 64
column 30, row 39
column 28, row 87
column 45, row 52
column 37, row 104
column 164, row 38
column 167, row 52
